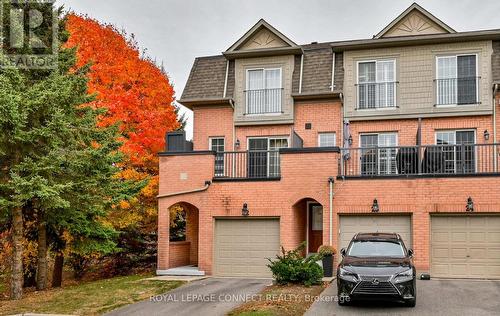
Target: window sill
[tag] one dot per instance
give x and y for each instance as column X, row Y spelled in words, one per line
column 263, row 114
column 389, row 108
column 456, row 105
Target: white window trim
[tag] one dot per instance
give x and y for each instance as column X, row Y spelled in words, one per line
column 478, row 100
column 247, row 89
column 395, row 80
column 334, row 138
column 269, row 138
column 377, row 133
column 455, row 131
column 210, row 138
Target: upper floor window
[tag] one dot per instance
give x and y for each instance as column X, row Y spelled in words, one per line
column 458, row 151
column 457, row 80
column 326, row 139
column 264, row 91
column 217, row 144
column 376, row 84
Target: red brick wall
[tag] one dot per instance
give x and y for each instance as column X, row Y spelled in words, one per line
column 212, row 122
column 179, row 253
column 244, row 132
column 324, row 116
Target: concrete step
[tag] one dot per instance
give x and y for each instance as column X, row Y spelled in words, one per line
column 185, row 270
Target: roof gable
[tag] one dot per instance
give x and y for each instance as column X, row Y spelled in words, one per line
column 262, row 39
column 415, row 21
column 261, row 35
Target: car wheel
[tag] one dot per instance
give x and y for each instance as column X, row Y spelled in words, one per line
column 411, row 303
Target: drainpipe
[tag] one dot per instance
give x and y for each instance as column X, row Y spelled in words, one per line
column 495, row 90
column 330, row 181
column 207, row 184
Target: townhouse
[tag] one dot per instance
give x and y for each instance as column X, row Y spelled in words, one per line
column 316, row 142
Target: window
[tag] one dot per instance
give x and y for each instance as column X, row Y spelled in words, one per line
column 326, row 139
column 457, row 80
column 263, row 156
column 263, row 94
column 376, row 84
column 374, row 248
column 217, row 144
column 459, row 157
column 380, row 160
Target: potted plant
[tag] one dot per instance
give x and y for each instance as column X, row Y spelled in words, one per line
column 327, row 252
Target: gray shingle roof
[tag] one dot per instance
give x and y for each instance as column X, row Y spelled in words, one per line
column 206, row 80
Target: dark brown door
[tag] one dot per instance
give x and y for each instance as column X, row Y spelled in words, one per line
column 315, row 227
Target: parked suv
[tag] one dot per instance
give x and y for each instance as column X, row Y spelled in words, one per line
column 376, row 266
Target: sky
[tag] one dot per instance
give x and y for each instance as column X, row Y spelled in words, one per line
column 176, row 31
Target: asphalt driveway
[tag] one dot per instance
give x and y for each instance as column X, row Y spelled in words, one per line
column 434, row 297
column 207, row 297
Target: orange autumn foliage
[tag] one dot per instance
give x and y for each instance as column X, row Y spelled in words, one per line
column 138, row 96
column 133, row 89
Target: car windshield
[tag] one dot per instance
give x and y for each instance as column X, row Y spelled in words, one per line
column 371, row 248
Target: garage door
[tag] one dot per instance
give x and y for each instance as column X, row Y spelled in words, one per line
column 465, row 246
column 351, row 225
column 242, row 246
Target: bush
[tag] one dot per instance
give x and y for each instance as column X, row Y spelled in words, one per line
column 326, row 250
column 291, row 267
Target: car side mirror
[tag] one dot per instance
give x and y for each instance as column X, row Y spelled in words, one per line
column 410, row 252
column 342, row 252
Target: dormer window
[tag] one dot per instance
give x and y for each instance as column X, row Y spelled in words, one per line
column 264, row 91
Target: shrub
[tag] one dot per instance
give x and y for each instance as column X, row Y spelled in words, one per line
column 326, row 250
column 291, row 267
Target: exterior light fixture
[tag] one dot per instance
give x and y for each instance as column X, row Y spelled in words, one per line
column 486, row 134
column 375, row 207
column 237, row 144
column 349, row 140
column 470, row 205
column 244, row 210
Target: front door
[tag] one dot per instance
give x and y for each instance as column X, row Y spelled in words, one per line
column 315, row 227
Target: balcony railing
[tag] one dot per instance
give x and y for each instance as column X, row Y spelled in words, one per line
column 435, row 160
column 264, row 101
column 376, row 95
column 451, row 91
column 253, row 164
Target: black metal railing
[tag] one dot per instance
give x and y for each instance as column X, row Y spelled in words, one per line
column 376, row 95
column 253, row 164
column 462, row 90
column 264, row 101
column 464, row 159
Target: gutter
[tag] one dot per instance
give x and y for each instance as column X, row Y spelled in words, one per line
column 207, row 184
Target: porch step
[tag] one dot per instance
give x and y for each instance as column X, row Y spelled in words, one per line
column 185, row 270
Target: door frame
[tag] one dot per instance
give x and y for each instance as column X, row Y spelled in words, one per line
column 309, row 205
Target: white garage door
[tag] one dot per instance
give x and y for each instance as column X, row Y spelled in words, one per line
column 465, row 246
column 350, row 225
column 242, row 246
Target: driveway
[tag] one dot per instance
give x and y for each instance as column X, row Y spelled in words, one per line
column 212, row 296
column 434, row 297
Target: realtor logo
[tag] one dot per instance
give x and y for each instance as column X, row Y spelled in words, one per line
column 28, row 33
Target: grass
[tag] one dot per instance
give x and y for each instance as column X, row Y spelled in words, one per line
column 280, row 300
column 91, row 298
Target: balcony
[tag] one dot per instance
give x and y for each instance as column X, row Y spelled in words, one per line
column 264, row 101
column 376, row 95
column 247, row 165
column 425, row 160
column 457, row 91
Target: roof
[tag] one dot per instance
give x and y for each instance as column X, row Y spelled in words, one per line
column 405, row 13
column 376, row 236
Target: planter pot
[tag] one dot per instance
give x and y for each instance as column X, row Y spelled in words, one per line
column 328, row 266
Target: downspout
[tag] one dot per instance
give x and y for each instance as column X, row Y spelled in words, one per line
column 207, row 184
column 330, row 237
column 301, row 68
column 495, row 90
column 333, row 72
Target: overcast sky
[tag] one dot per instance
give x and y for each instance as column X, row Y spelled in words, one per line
column 176, row 31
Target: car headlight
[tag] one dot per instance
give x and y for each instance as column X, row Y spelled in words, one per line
column 347, row 275
column 404, row 276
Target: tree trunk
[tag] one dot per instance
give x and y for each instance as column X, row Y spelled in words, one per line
column 58, row 270
column 17, row 255
column 41, row 271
